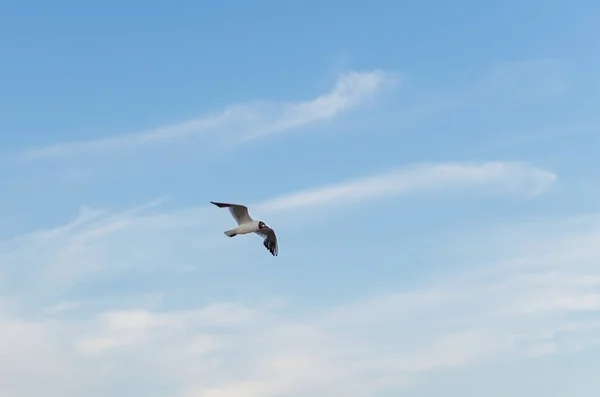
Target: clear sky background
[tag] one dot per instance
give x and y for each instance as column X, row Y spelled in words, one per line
column 431, row 170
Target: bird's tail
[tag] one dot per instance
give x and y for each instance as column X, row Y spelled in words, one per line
column 231, row 233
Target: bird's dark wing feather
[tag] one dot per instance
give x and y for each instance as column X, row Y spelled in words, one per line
column 270, row 240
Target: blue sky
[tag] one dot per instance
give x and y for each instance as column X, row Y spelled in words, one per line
column 430, row 170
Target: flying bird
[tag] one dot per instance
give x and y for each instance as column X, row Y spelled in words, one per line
column 248, row 225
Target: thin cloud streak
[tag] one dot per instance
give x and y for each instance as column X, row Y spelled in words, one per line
column 240, row 123
column 521, row 178
column 63, row 307
column 77, row 250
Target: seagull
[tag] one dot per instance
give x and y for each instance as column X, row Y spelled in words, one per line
column 248, row 225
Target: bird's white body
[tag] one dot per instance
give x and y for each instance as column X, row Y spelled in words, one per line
column 248, row 225
column 244, row 228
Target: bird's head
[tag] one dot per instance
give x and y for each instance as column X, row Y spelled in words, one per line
column 262, row 225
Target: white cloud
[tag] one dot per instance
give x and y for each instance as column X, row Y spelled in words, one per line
column 360, row 348
column 241, row 122
column 131, row 328
column 503, row 176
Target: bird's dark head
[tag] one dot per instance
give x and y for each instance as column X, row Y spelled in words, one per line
column 262, row 225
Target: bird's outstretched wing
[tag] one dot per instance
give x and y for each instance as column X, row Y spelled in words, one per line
column 238, row 212
column 270, row 240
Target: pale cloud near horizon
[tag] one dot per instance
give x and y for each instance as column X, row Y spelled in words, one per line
column 372, row 344
column 241, row 122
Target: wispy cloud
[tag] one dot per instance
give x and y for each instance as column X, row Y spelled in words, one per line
column 500, row 176
column 239, row 123
column 63, row 307
column 148, row 238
